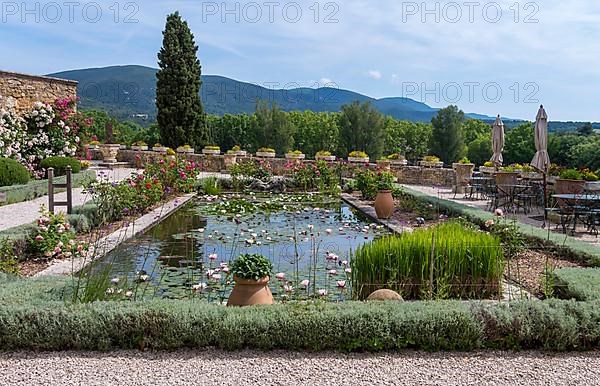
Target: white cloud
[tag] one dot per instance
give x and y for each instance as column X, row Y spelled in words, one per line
column 326, row 81
column 375, row 74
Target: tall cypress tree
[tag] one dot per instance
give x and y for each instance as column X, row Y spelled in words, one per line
column 180, row 113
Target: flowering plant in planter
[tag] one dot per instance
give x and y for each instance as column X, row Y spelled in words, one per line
column 266, row 150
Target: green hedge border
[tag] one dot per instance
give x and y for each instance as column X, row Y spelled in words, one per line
column 577, row 283
column 39, row 188
column 566, row 245
column 169, row 325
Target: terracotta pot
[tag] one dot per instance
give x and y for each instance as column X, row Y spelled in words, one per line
column 384, row 204
column 250, row 292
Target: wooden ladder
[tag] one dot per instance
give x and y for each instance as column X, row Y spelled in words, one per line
column 51, row 186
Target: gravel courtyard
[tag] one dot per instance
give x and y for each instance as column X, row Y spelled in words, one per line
column 215, row 367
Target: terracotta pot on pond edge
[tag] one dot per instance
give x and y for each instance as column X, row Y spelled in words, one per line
column 384, row 204
column 250, row 292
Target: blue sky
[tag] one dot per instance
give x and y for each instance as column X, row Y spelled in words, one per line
column 486, row 57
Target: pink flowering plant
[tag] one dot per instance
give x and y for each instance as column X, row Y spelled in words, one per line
column 46, row 130
column 54, row 238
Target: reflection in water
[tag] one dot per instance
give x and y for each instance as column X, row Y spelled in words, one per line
column 176, row 253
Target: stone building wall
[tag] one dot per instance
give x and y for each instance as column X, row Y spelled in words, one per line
column 21, row 91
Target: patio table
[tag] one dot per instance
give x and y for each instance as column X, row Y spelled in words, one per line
column 579, row 205
column 509, row 196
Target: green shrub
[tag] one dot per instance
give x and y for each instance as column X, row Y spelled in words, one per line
column 12, row 173
column 369, row 182
column 251, row 267
column 60, row 165
column 467, row 264
column 577, row 283
column 210, row 186
column 168, row 325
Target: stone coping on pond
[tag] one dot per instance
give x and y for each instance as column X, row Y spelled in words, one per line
column 110, row 242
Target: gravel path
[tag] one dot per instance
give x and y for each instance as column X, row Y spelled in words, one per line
column 214, row 367
column 27, row 212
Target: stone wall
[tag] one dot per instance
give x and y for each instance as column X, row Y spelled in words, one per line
column 21, row 91
column 410, row 175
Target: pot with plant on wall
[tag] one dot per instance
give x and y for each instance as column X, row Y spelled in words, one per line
column 358, row 157
column 211, row 150
column 295, row 155
column 431, row 161
column 488, row 168
column 159, row 148
column 237, row 151
column 185, row 149
column 384, row 201
column 265, row 152
column 139, row 146
column 397, row 159
column 251, row 274
column 324, row 155
column 573, row 181
column 171, row 155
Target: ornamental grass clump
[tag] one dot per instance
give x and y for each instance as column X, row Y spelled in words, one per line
column 466, row 264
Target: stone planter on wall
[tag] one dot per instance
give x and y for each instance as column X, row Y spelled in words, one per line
column 427, row 164
column 295, row 156
column 487, row 169
column 230, row 160
column 139, row 148
column 109, row 152
column 384, row 164
column 185, row 150
column 160, row 149
column 211, row 152
column 238, row 153
column 463, row 175
column 358, row 160
column 264, row 154
column 328, row 158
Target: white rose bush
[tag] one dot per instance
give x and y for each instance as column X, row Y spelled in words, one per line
column 44, row 131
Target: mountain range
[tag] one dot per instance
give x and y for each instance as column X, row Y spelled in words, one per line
column 128, row 92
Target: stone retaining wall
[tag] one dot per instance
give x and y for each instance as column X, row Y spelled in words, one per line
column 409, row 175
column 21, row 91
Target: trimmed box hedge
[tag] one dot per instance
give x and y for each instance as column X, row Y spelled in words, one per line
column 39, row 188
column 567, row 246
column 32, row 318
column 577, row 283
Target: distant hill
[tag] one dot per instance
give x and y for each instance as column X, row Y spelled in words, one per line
column 128, row 92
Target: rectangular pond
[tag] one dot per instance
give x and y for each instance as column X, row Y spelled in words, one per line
column 308, row 238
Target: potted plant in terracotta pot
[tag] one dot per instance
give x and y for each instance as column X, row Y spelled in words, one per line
column 211, row 150
column 324, row 155
column 464, row 170
column 251, row 273
column 265, row 152
column 384, row 201
column 358, row 157
column 570, row 181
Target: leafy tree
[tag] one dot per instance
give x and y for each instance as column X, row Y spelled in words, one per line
column 410, row 139
column 273, row 129
column 586, row 154
column 586, row 129
column 180, row 113
column 233, row 130
column 519, row 144
column 474, row 128
column 362, row 127
column 447, row 140
column 315, row 131
column 560, row 145
column 479, row 151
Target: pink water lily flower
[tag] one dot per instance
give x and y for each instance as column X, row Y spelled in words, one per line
column 280, row 276
column 305, row 283
column 341, row 284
